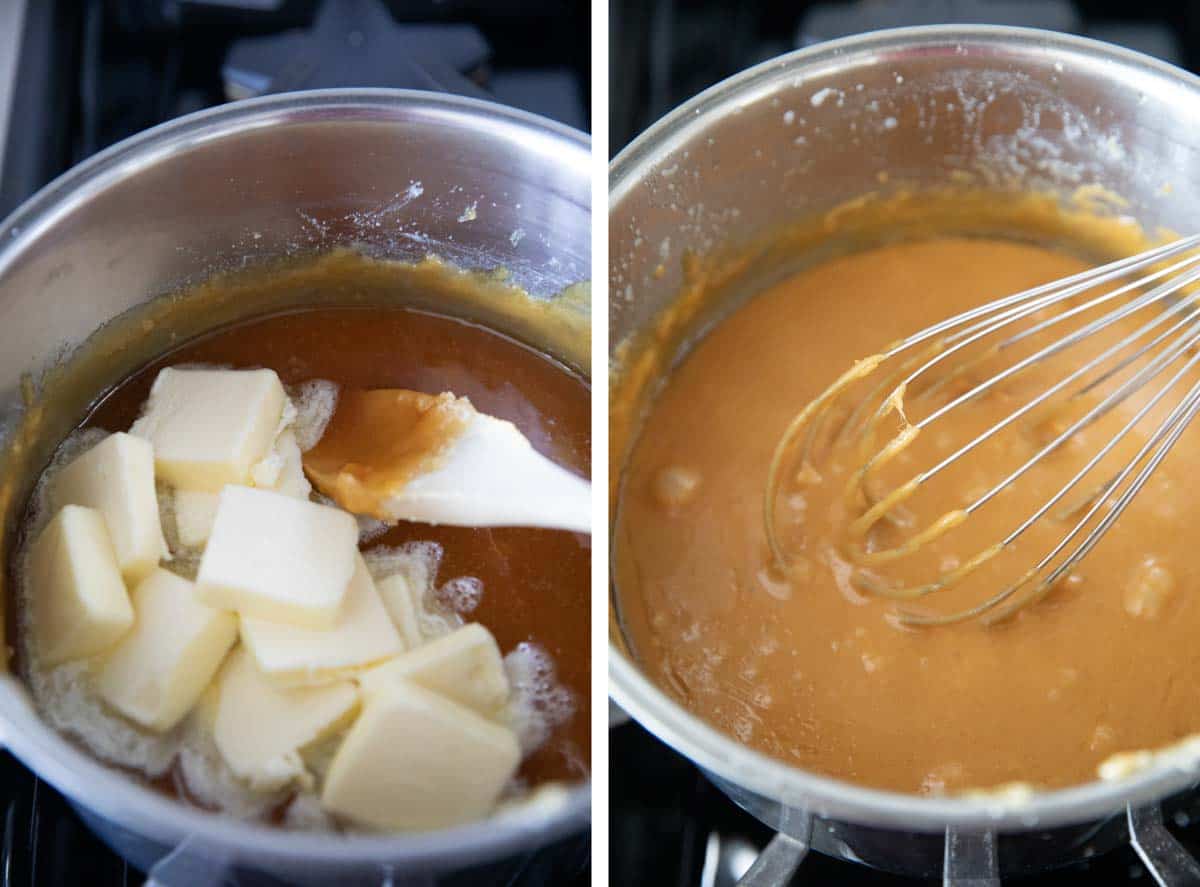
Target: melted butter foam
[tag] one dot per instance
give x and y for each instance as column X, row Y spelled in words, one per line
column 539, row 703
column 66, row 697
column 461, row 595
column 369, row 528
column 203, row 776
column 316, row 401
column 418, row 562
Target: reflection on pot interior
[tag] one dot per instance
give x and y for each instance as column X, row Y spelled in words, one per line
column 802, row 662
column 191, row 610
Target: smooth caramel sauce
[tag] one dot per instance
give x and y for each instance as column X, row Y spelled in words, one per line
column 806, row 665
column 377, row 441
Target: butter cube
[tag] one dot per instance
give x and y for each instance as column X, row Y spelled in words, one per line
column 291, row 480
column 283, row 469
column 80, row 606
column 204, row 712
column 274, row 557
column 195, row 512
column 158, row 670
column 464, row 666
column 210, row 427
column 259, row 728
column 415, row 760
column 292, row 655
column 401, row 603
column 116, row 477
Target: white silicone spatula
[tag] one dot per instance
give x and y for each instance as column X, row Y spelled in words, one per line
column 402, row 455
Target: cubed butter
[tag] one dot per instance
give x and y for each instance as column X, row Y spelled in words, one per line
column 274, row 557
column 464, row 666
column 292, row 655
column 415, row 760
column 292, row 480
column 204, row 712
column 195, row 512
column 80, row 606
column 210, row 427
column 116, row 477
column 156, row 673
column 259, row 728
column 401, row 603
column 283, row 468
column 281, row 471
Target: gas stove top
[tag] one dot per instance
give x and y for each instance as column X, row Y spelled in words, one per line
column 668, row 825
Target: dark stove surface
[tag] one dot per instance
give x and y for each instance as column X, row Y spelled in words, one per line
column 93, row 72
column 44, row 842
column 669, row 826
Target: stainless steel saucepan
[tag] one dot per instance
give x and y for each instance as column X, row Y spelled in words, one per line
column 804, row 133
column 399, row 174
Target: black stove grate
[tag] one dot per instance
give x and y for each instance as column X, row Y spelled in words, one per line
column 44, row 843
column 668, row 825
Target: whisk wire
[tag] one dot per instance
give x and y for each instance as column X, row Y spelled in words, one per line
column 1158, row 294
column 910, row 618
column 1054, row 389
column 1155, row 346
column 944, row 523
column 1098, row 276
column 1013, row 315
column 1045, row 295
column 1165, row 437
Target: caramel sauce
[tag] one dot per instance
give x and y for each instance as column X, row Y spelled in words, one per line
column 378, row 441
column 536, row 582
column 806, row 665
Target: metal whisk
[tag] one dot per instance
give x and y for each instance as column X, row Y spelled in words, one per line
column 1149, row 287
